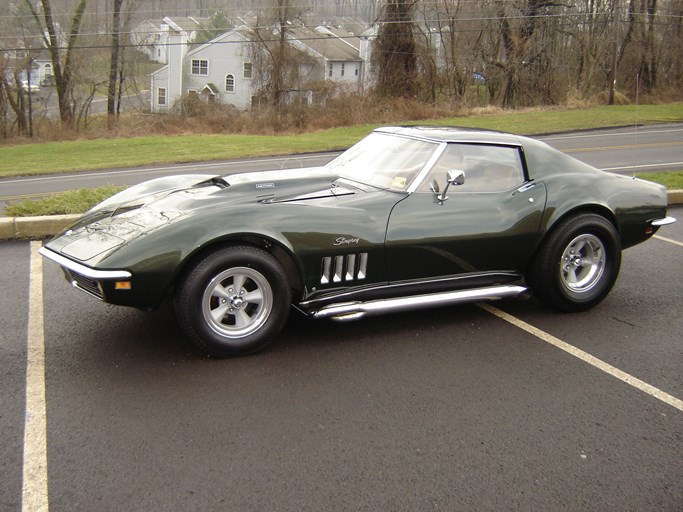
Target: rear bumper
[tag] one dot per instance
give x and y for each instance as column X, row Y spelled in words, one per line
column 663, row 222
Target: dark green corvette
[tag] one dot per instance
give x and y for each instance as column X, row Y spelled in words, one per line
column 407, row 218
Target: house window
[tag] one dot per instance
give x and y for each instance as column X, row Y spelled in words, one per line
column 248, row 69
column 342, row 69
column 356, row 69
column 161, row 96
column 329, row 69
column 200, row 67
column 230, row 83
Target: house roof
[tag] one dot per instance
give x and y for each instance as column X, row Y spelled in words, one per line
column 211, row 88
column 344, row 35
column 325, row 44
column 236, row 34
column 186, row 24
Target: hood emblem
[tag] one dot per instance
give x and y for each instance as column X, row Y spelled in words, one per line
column 260, row 186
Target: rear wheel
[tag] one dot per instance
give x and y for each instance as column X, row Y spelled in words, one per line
column 233, row 301
column 578, row 264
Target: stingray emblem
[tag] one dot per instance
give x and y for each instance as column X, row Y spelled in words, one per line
column 342, row 240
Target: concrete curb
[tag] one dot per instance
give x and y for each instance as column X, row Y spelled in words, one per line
column 18, row 228
column 675, row 197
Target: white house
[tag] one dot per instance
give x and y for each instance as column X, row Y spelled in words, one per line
column 16, row 61
column 146, row 38
column 337, row 51
column 221, row 70
column 153, row 38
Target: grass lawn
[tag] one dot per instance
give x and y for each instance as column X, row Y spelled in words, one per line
column 671, row 180
column 73, row 201
column 56, row 157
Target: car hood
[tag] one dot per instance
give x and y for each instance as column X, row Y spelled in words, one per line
column 189, row 191
column 156, row 203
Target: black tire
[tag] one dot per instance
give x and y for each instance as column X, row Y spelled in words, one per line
column 578, row 263
column 233, row 301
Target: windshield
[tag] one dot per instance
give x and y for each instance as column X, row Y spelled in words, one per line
column 384, row 160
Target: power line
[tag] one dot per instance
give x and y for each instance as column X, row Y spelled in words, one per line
column 431, row 24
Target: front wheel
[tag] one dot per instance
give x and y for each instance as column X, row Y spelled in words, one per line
column 578, row 264
column 233, row 301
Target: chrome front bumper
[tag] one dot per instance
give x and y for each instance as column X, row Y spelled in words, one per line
column 84, row 278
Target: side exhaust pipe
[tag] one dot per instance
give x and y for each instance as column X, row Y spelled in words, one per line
column 347, row 311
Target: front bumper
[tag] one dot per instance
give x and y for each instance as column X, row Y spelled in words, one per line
column 84, row 278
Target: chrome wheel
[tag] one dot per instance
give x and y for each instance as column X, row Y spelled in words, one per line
column 578, row 263
column 237, row 302
column 583, row 263
column 233, row 300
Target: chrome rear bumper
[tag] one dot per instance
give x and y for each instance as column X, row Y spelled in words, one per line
column 663, row 222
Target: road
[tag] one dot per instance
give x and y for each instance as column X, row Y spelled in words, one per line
column 45, row 103
column 446, row 409
column 622, row 150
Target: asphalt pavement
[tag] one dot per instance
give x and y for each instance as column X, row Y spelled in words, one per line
column 510, row 406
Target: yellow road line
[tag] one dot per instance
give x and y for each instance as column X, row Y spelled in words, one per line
column 626, row 146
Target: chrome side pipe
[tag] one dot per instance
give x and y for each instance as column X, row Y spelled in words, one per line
column 348, row 311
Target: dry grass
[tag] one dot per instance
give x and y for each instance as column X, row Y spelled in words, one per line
column 199, row 118
column 337, row 110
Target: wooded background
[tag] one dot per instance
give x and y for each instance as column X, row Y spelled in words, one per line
column 506, row 53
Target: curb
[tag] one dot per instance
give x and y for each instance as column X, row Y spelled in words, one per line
column 675, row 197
column 19, row 228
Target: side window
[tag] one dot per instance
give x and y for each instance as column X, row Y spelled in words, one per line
column 487, row 168
column 200, row 67
column 247, row 70
column 230, row 83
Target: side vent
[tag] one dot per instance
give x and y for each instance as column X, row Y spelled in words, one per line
column 351, row 267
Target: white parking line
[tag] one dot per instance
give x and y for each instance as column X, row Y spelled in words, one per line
column 675, row 242
column 586, row 357
column 34, row 491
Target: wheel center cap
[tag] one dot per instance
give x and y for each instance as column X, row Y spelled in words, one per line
column 238, row 302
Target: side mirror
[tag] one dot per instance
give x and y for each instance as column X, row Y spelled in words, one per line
column 454, row 177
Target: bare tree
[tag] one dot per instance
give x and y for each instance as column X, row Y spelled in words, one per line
column 62, row 69
column 114, row 62
column 13, row 95
column 395, row 59
column 273, row 57
column 638, row 50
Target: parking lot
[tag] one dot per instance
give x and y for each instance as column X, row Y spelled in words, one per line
column 507, row 406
